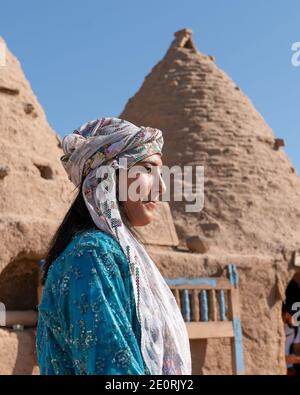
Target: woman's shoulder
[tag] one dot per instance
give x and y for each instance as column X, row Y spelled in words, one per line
column 90, row 261
column 93, row 238
column 93, row 243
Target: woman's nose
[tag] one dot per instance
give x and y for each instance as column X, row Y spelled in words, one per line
column 162, row 186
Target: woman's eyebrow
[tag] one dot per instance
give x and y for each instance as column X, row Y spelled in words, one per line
column 150, row 162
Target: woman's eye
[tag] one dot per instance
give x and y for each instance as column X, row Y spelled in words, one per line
column 150, row 170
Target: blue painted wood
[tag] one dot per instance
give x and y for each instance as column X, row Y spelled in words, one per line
column 222, row 305
column 212, row 282
column 41, row 263
column 232, row 274
column 204, row 305
column 186, row 305
column 238, row 346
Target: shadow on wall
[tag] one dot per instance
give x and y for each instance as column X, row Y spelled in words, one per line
column 18, row 285
column 26, row 359
column 18, row 292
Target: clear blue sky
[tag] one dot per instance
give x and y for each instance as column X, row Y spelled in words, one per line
column 84, row 59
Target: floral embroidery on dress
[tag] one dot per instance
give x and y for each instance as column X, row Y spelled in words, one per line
column 87, row 316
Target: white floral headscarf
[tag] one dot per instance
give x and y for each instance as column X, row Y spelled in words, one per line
column 164, row 339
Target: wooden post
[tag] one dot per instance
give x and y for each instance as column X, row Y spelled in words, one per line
column 195, row 305
column 222, row 305
column 204, row 305
column 234, row 311
column 212, row 303
column 186, row 305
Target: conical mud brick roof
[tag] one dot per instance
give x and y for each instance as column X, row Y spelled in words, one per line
column 34, row 188
column 252, row 193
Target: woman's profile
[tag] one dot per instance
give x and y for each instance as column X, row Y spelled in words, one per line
column 105, row 307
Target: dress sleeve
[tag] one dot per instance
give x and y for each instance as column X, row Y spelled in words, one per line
column 96, row 310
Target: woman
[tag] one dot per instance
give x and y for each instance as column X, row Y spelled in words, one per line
column 105, row 308
column 291, row 327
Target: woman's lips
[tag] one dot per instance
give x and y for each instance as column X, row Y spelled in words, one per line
column 151, row 205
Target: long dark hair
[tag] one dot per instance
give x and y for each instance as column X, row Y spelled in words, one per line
column 77, row 219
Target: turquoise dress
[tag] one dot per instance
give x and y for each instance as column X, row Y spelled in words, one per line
column 87, row 316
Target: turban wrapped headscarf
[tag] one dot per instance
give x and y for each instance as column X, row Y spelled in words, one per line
column 164, row 339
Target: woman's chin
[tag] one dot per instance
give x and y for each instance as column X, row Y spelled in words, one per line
column 142, row 220
column 141, row 214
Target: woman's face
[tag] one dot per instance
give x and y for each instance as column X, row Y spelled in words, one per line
column 150, row 186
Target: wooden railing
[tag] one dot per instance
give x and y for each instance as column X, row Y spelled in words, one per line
column 210, row 308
